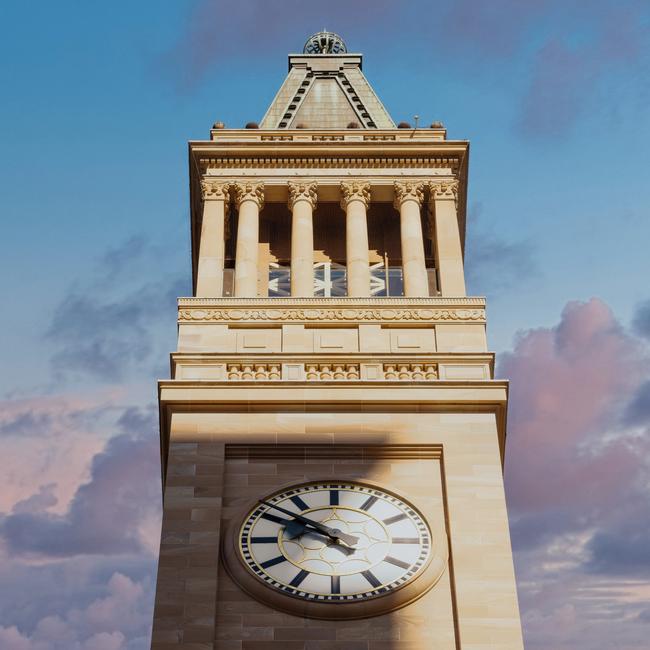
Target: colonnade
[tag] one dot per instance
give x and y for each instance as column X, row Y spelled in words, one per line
column 355, row 200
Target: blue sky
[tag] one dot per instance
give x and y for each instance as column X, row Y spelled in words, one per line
column 98, row 102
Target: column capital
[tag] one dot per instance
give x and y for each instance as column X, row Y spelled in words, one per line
column 443, row 190
column 408, row 191
column 355, row 191
column 214, row 190
column 248, row 191
column 302, row 191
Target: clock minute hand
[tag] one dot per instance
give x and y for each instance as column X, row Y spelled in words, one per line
column 332, row 533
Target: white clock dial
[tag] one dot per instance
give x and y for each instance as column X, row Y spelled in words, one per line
column 374, row 542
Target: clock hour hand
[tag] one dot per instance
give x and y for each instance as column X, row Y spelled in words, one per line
column 292, row 527
column 332, row 533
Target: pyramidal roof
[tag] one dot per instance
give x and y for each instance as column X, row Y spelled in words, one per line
column 325, row 89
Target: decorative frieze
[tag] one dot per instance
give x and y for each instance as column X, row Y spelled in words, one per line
column 189, row 315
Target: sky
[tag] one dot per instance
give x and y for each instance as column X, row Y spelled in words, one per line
column 98, row 102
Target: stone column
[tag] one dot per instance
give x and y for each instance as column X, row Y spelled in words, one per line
column 302, row 201
column 446, row 237
column 249, row 198
column 355, row 200
column 216, row 204
column 408, row 200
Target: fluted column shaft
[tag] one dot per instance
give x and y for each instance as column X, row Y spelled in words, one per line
column 355, row 200
column 446, row 237
column 209, row 275
column 408, row 200
column 249, row 198
column 302, row 201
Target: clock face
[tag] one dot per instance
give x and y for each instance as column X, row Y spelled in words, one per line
column 335, row 542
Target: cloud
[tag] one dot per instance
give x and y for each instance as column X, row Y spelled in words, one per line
column 568, row 384
column 494, row 264
column 587, row 64
column 216, row 30
column 576, row 480
column 112, row 324
column 637, row 411
column 495, row 30
column 39, row 502
column 49, row 441
column 82, row 577
column 641, row 320
column 119, row 619
column 107, row 513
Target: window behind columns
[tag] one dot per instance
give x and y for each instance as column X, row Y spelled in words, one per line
column 274, row 261
column 329, row 250
column 385, row 251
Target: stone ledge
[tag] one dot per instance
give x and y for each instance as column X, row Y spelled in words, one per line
column 329, row 303
column 314, row 310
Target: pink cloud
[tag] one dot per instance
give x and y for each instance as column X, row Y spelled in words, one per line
column 567, row 387
column 576, row 481
column 47, row 443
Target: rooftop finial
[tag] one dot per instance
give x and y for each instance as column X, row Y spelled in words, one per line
column 325, row 43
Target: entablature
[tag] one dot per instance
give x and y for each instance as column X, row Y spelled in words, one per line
column 332, row 310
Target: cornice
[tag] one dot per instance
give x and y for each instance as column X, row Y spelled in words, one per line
column 329, row 161
column 436, row 301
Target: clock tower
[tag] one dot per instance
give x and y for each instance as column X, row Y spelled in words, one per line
column 332, row 435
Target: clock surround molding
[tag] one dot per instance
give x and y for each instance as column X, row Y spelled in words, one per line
column 404, row 595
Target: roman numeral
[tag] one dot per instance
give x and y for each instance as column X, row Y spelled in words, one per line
column 334, row 497
column 405, row 540
column 264, row 540
column 369, row 502
column 336, row 584
column 371, row 578
column 273, row 561
column 300, row 503
column 396, row 562
column 299, row 578
column 396, row 518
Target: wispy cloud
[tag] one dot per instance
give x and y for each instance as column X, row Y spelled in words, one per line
column 216, row 30
column 111, row 324
column 493, row 262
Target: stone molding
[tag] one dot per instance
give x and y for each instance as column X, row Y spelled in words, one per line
column 355, row 191
column 315, row 450
column 283, row 314
column 408, row 191
column 443, row 190
column 248, row 191
column 332, row 162
column 342, row 301
column 302, row 191
column 215, row 190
